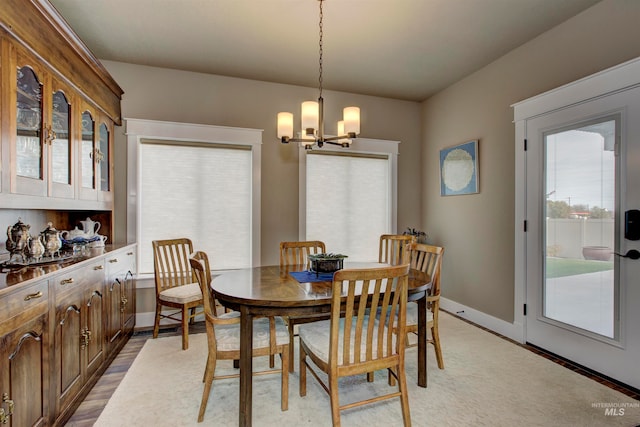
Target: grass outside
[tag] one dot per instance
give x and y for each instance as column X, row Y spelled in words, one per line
column 560, row 267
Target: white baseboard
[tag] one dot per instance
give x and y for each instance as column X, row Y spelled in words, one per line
column 514, row 331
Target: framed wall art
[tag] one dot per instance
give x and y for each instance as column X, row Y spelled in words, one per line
column 459, row 169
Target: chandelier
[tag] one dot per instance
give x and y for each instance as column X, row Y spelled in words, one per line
column 312, row 118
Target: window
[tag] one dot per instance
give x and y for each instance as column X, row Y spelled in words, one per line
column 200, row 188
column 349, row 197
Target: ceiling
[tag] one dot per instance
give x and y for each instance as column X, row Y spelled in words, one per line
column 403, row 49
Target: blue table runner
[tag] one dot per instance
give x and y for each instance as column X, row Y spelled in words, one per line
column 309, row 276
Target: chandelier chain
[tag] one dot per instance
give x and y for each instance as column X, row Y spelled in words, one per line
column 320, row 45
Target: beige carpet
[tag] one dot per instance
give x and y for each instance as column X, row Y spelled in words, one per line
column 488, row 381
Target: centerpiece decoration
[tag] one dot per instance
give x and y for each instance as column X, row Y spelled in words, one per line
column 326, row 263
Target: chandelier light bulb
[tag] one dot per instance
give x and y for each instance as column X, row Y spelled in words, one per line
column 351, row 117
column 285, row 125
column 309, row 116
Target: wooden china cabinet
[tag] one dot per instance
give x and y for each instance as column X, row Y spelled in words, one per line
column 62, row 323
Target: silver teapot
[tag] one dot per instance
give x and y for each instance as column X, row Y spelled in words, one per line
column 17, row 237
column 52, row 241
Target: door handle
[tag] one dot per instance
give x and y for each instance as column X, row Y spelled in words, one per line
column 632, row 254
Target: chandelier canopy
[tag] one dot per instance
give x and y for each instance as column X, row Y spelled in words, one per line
column 312, row 118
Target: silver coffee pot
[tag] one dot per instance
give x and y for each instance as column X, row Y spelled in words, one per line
column 17, row 237
column 52, row 241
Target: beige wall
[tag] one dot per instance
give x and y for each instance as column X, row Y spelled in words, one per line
column 179, row 96
column 478, row 230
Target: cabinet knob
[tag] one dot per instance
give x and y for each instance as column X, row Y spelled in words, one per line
column 113, row 260
column 98, row 267
column 49, row 134
column 4, row 415
column 66, row 281
column 85, row 338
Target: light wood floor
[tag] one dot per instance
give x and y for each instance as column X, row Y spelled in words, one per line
column 92, row 406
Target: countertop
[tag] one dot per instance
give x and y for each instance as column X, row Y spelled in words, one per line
column 14, row 276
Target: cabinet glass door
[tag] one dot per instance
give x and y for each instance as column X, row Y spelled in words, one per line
column 88, row 162
column 29, row 144
column 105, row 157
column 61, row 145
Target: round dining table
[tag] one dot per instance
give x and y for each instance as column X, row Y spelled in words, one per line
column 273, row 291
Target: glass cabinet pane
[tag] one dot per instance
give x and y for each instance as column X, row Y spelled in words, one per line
column 61, row 145
column 29, row 159
column 88, row 163
column 104, row 158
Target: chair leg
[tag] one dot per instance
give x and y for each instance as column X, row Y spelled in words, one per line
column 209, row 373
column 185, row 329
column 284, row 398
column 435, row 335
column 335, row 401
column 404, row 394
column 272, row 327
column 206, row 368
column 392, row 378
column 302, row 380
column 156, row 323
column 291, row 348
column 192, row 315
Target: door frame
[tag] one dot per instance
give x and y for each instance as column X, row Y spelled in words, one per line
column 619, row 78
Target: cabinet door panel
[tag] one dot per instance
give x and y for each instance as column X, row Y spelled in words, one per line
column 114, row 312
column 28, row 98
column 58, row 118
column 67, row 348
column 24, row 373
column 88, row 159
column 95, row 347
column 105, row 147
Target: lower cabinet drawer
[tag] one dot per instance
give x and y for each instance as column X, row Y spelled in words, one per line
column 78, row 278
column 33, row 298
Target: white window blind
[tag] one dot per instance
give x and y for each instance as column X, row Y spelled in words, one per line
column 200, row 191
column 348, row 202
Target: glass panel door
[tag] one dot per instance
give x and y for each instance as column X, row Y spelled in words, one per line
column 580, row 287
column 61, row 145
column 29, row 149
column 105, row 159
column 87, row 162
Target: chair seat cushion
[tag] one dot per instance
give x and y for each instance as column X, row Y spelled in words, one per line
column 228, row 336
column 182, row 294
column 316, row 336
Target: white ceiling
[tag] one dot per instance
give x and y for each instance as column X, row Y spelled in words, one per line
column 404, row 49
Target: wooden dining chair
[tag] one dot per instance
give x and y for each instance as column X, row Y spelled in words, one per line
column 223, row 337
column 392, row 248
column 293, row 253
column 428, row 259
column 351, row 342
column 297, row 253
column 176, row 285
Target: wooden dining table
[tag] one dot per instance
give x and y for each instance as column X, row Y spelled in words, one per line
column 272, row 291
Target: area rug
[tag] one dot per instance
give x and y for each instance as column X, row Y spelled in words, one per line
column 487, row 381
